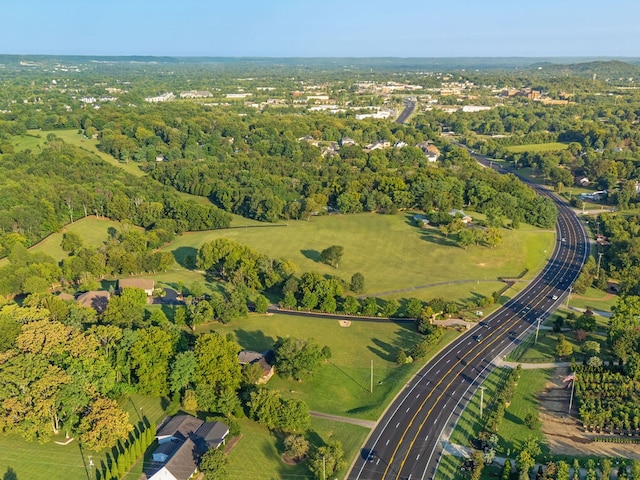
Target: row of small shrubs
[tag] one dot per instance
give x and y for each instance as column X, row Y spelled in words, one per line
column 501, row 401
column 617, row 439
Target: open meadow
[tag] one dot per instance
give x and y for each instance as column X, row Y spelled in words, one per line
column 396, row 258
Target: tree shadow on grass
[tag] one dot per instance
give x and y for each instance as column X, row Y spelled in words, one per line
column 512, row 418
column 10, row 474
column 185, row 257
column 386, row 351
column 353, row 380
column 313, row 255
column 254, row 340
column 434, row 236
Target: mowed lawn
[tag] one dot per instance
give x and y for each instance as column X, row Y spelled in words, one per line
column 92, row 230
column 538, row 147
column 33, row 460
column 512, row 432
column 258, row 453
column 341, row 386
column 390, row 252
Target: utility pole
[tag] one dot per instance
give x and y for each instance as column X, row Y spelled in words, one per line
column 539, row 320
column 481, row 400
column 371, row 388
column 90, row 468
column 324, row 469
column 573, row 386
column 599, row 259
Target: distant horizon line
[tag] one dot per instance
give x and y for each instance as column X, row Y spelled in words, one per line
column 320, row 56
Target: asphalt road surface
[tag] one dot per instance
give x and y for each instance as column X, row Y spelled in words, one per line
column 406, row 442
column 410, row 105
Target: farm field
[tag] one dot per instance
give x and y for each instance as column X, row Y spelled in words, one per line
column 341, row 386
column 538, row 147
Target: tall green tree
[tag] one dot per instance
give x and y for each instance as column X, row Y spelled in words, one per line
column 218, row 366
column 332, row 255
column 150, row 355
column 214, row 464
column 297, row 358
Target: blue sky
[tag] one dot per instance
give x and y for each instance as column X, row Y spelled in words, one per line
column 313, row 28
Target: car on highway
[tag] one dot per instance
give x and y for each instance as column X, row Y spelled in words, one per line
column 484, row 324
column 554, row 297
column 478, row 338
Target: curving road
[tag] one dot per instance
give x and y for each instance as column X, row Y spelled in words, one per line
column 406, row 444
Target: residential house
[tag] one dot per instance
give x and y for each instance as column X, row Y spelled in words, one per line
column 459, row 213
column 310, row 140
column 379, row 145
column 347, row 141
column 582, row 181
column 246, row 357
column 96, row 299
column 431, row 151
column 143, row 283
column 421, row 220
column 182, row 440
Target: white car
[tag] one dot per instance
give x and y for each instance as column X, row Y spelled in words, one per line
column 554, row 297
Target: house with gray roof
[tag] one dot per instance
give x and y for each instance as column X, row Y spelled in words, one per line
column 182, row 440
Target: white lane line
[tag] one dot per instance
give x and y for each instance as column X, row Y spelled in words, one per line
column 398, row 425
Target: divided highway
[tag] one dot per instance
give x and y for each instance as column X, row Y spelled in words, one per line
column 406, row 443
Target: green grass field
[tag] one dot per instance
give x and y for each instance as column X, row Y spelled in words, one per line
column 92, row 230
column 35, row 139
column 33, row 460
column 257, row 454
column 341, row 386
column 594, row 298
column 538, row 147
column 545, row 349
column 392, row 254
column 512, row 430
